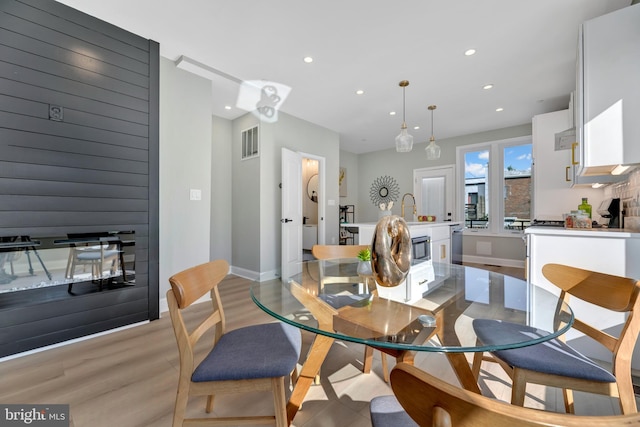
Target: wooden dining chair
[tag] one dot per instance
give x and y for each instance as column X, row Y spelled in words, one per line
column 556, row 364
column 252, row 358
column 421, row 399
column 328, row 252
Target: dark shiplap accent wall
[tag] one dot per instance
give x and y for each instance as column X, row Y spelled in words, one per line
column 96, row 170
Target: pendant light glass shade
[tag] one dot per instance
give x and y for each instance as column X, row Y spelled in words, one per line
column 404, row 141
column 433, row 149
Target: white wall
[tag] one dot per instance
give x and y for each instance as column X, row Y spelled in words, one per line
column 221, row 137
column 256, row 200
column 185, row 163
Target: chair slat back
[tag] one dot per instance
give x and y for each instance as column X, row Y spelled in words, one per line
column 433, row 402
column 608, row 291
column 336, row 251
column 611, row 292
column 189, row 285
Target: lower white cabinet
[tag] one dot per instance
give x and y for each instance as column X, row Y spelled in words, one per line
column 612, row 252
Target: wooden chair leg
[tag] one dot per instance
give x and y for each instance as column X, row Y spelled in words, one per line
column 209, row 407
column 385, row 368
column 569, row 407
column 279, row 402
column 518, row 388
column 368, row 359
column 180, row 408
column 626, row 394
column 477, row 363
column 294, row 376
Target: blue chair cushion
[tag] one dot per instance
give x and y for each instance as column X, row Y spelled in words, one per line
column 259, row 351
column 386, row 411
column 550, row 357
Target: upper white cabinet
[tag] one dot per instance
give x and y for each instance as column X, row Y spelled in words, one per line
column 608, row 92
column 553, row 174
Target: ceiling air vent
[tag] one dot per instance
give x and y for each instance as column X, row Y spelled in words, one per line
column 250, row 143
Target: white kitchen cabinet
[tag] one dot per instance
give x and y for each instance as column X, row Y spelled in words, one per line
column 441, row 245
column 553, row 194
column 608, row 93
column 607, row 251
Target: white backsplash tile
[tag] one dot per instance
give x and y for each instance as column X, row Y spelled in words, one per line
column 629, row 193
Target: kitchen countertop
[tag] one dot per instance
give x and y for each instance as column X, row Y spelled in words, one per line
column 585, row 232
column 410, row 224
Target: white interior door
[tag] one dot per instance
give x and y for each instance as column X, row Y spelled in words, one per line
column 291, row 219
column 434, row 190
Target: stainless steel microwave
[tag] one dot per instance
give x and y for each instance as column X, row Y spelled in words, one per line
column 421, row 249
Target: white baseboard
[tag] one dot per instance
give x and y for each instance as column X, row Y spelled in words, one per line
column 503, row 262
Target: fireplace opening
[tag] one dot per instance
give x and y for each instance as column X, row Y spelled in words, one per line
column 65, row 266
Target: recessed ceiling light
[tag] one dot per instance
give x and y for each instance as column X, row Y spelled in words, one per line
column 499, row 109
column 308, row 59
column 469, row 52
column 487, row 86
column 227, row 107
column 359, row 92
column 392, row 113
column 416, row 127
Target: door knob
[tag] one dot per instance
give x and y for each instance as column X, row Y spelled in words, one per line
column 285, row 220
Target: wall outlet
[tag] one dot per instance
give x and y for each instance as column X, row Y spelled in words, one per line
column 195, row 194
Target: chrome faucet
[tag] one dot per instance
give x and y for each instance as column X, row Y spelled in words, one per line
column 415, row 209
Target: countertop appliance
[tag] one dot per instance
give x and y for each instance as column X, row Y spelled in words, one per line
column 456, row 243
column 610, row 208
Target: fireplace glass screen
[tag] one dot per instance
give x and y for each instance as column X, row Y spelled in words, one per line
column 75, row 263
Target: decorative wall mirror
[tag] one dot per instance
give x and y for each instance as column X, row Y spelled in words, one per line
column 384, row 189
column 312, row 188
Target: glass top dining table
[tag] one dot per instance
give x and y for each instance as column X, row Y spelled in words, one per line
column 433, row 310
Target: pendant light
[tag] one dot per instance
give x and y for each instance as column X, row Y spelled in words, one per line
column 433, row 149
column 404, row 141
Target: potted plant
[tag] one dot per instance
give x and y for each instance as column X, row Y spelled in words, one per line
column 364, row 263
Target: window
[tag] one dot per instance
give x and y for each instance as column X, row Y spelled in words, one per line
column 495, row 185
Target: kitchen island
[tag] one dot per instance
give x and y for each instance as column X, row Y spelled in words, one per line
column 439, row 233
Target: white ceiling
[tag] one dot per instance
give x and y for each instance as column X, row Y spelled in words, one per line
column 526, row 49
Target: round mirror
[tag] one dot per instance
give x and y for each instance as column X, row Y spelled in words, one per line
column 312, row 188
column 383, row 192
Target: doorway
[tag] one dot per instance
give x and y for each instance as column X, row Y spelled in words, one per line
column 311, row 196
column 300, row 189
column 434, row 189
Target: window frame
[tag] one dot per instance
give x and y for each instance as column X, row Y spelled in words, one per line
column 495, row 181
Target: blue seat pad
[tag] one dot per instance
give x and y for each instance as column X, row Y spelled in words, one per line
column 258, row 351
column 386, row 411
column 550, row 357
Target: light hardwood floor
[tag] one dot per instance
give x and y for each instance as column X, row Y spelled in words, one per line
column 129, row 378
